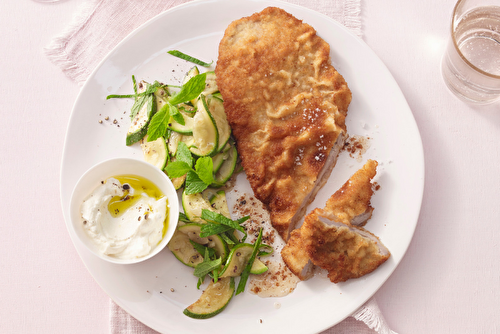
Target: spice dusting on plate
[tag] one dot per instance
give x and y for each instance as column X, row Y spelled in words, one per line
column 278, row 281
column 357, row 146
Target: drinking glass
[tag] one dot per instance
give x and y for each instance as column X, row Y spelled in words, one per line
column 471, row 63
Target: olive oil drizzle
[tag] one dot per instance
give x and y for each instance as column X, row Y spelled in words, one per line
column 141, row 186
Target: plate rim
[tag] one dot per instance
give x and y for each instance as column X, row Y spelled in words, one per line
column 277, row 3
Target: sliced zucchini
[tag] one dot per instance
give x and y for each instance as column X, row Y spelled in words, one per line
column 220, row 157
column 193, row 204
column 210, row 84
column 183, row 250
column 139, row 125
column 213, row 300
column 216, row 109
column 178, row 182
column 219, row 203
column 193, row 71
column 188, row 140
column 161, row 97
column 186, row 129
column 190, row 110
column 210, row 199
column 237, row 260
column 193, row 231
column 155, row 152
column 173, row 141
column 258, row 267
column 218, row 95
column 205, row 133
column 227, row 169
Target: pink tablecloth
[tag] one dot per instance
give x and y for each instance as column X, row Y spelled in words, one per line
column 101, row 24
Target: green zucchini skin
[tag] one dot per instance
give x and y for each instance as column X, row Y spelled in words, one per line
column 213, row 300
column 139, row 125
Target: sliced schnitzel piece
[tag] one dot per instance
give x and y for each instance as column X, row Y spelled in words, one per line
column 348, row 206
column 351, row 203
column 295, row 255
column 345, row 251
column 286, row 105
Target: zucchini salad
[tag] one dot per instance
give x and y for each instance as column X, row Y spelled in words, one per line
column 183, row 130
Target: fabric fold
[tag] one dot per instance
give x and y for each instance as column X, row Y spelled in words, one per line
column 99, row 25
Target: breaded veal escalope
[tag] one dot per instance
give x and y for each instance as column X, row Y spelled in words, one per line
column 286, row 105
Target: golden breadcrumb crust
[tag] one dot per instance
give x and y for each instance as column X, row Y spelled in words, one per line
column 353, row 198
column 286, row 105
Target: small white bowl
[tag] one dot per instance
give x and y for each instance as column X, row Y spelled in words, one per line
column 114, row 167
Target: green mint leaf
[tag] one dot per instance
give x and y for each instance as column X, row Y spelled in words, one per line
column 183, row 218
column 200, row 282
column 215, row 217
column 205, row 169
column 202, row 269
column 228, row 238
column 233, row 237
column 177, row 169
column 212, row 228
column 134, row 84
column 267, row 250
column 184, row 56
column 159, row 122
column 184, row 154
column 242, row 219
column 203, row 249
column 138, row 104
column 151, row 104
column 194, row 184
column 248, row 267
column 176, row 115
column 190, row 90
column 215, row 275
column 151, row 89
column 126, row 96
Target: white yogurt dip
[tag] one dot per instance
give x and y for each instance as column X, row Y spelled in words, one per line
column 136, row 222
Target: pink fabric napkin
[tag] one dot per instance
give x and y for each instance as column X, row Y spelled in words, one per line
column 99, row 25
column 367, row 320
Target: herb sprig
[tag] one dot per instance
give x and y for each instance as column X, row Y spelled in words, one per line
column 190, row 90
column 184, row 56
column 197, row 179
column 246, row 272
column 217, row 224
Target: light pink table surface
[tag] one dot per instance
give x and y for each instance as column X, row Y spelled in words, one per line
column 449, row 281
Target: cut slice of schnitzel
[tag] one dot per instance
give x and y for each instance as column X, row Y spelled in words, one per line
column 286, row 105
column 329, row 234
column 345, row 251
column 351, row 204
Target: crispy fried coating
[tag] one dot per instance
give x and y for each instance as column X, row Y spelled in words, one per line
column 351, row 203
column 295, row 256
column 329, row 239
column 345, row 251
column 286, row 105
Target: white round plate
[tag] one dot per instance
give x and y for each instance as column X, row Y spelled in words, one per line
column 378, row 111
